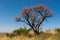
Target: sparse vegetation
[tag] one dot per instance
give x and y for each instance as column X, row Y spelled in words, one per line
column 23, row 35
column 42, row 36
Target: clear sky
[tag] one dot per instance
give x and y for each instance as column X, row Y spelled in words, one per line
column 11, row 8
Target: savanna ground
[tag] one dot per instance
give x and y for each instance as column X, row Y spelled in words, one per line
column 42, row 36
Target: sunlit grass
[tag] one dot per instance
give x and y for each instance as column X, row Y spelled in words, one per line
column 42, row 36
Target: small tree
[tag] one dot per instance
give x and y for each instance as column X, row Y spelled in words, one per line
column 34, row 16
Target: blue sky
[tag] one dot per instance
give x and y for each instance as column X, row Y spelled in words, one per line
column 11, row 8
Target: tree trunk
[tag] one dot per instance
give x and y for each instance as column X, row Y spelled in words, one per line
column 36, row 32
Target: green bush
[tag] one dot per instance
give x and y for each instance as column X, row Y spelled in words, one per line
column 58, row 30
column 22, row 31
column 16, row 32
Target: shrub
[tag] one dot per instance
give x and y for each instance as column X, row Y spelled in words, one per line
column 22, row 31
column 16, row 32
column 58, row 30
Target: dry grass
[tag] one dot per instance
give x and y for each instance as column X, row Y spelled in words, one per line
column 43, row 36
column 20, row 37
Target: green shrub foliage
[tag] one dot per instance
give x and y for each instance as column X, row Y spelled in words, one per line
column 23, row 31
column 58, row 30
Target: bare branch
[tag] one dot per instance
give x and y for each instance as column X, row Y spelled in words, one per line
column 25, row 22
column 30, row 24
column 40, row 21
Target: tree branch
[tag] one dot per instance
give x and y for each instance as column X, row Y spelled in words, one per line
column 25, row 22
column 40, row 22
column 30, row 24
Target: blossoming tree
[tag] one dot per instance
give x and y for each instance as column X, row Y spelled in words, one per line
column 35, row 16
